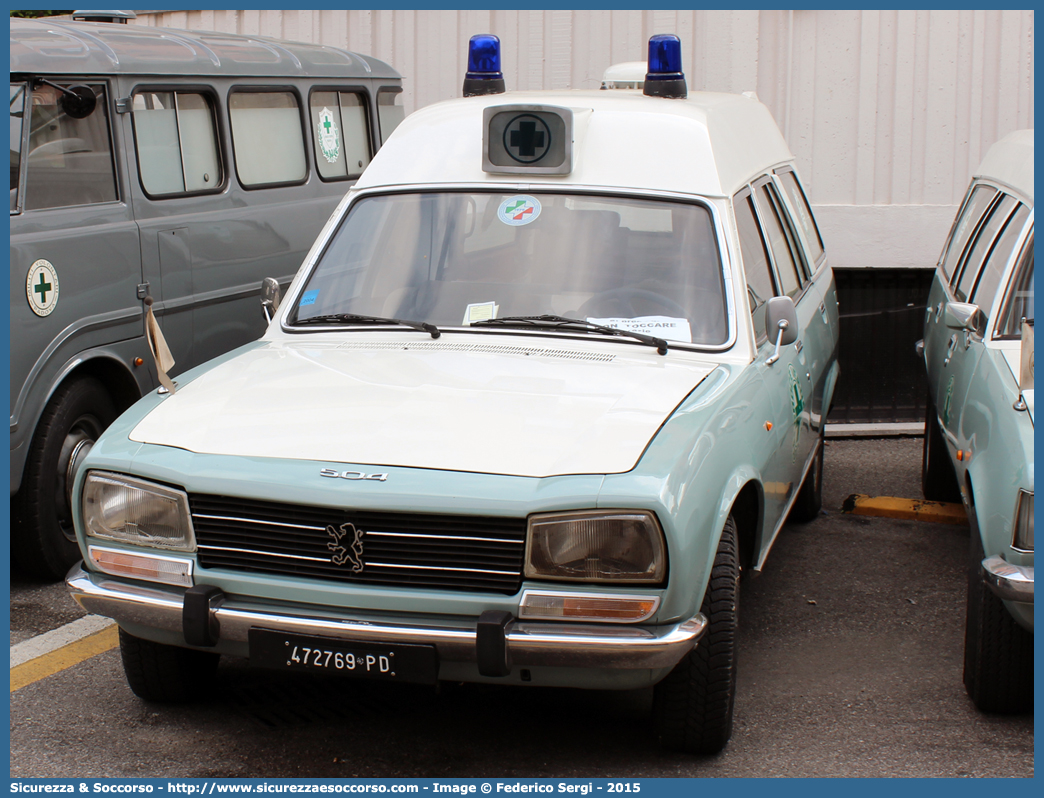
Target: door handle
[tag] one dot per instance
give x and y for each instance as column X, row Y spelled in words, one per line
column 950, row 348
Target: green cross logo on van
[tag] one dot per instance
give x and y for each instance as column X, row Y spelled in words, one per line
column 329, row 140
column 41, row 287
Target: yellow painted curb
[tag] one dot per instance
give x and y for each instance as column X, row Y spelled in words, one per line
column 65, row 657
column 912, row 509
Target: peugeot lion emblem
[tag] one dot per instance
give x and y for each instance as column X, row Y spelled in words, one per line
column 347, row 533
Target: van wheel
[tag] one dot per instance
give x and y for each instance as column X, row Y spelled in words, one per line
column 166, row 674
column 692, row 706
column 938, row 480
column 809, row 500
column 43, row 541
column 998, row 653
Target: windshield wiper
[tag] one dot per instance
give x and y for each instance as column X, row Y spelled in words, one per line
column 550, row 322
column 355, row 318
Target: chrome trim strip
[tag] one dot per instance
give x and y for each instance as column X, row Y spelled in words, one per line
column 262, row 553
column 439, row 568
column 530, row 644
column 255, row 521
column 443, row 537
column 367, row 565
column 1009, row 582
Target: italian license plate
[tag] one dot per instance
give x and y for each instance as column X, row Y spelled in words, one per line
column 395, row 662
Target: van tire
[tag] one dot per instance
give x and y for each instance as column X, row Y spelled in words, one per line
column 998, row 653
column 938, row 479
column 42, row 541
column 809, row 500
column 165, row 674
column 692, row 706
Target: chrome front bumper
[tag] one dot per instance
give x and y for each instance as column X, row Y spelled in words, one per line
column 1009, row 582
column 529, row 644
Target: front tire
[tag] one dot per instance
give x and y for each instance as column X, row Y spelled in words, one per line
column 938, row 480
column 692, row 706
column 998, row 653
column 166, row 674
column 43, row 541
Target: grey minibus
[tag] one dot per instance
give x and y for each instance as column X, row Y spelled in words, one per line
column 166, row 167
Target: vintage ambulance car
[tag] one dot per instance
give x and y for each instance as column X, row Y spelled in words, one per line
column 979, row 430
column 547, row 385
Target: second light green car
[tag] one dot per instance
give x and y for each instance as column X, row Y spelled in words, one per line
column 978, row 445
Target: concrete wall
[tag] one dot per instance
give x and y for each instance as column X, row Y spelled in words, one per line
column 887, row 112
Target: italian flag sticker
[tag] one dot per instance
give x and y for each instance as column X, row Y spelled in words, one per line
column 519, row 210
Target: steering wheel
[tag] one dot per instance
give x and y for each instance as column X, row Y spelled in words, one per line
column 622, row 302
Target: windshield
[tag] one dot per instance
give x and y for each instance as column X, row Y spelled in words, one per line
column 454, row 258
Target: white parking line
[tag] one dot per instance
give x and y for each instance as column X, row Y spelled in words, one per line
column 50, row 641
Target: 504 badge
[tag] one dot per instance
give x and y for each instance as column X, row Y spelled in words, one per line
column 335, row 474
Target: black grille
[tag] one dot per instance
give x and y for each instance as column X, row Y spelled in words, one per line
column 453, row 552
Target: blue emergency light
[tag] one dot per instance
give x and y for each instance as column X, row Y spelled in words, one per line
column 665, row 77
column 483, row 75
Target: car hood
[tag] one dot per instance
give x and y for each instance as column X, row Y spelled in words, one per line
column 547, row 408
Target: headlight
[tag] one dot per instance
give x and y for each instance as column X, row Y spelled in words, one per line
column 622, row 546
column 134, row 511
column 1023, row 537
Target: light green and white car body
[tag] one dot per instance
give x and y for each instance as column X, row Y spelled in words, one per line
column 502, row 422
column 982, row 408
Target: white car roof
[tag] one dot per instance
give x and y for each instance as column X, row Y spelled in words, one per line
column 1010, row 161
column 708, row 144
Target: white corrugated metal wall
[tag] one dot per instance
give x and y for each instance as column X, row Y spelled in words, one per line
column 887, row 112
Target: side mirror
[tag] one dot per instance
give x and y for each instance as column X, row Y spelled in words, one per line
column 78, row 102
column 270, row 296
column 964, row 316
column 781, row 323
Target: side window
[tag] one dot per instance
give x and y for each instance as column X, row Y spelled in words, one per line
column 175, row 136
column 389, row 111
column 804, row 213
column 1018, row 301
column 781, row 243
column 755, row 261
column 267, row 137
column 977, row 202
column 998, row 258
column 17, row 114
column 968, row 272
column 342, row 135
column 68, row 161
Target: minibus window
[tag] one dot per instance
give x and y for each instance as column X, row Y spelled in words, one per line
column 342, row 138
column 68, row 161
column 389, row 111
column 176, row 140
column 17, row 114
column 267, row 138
